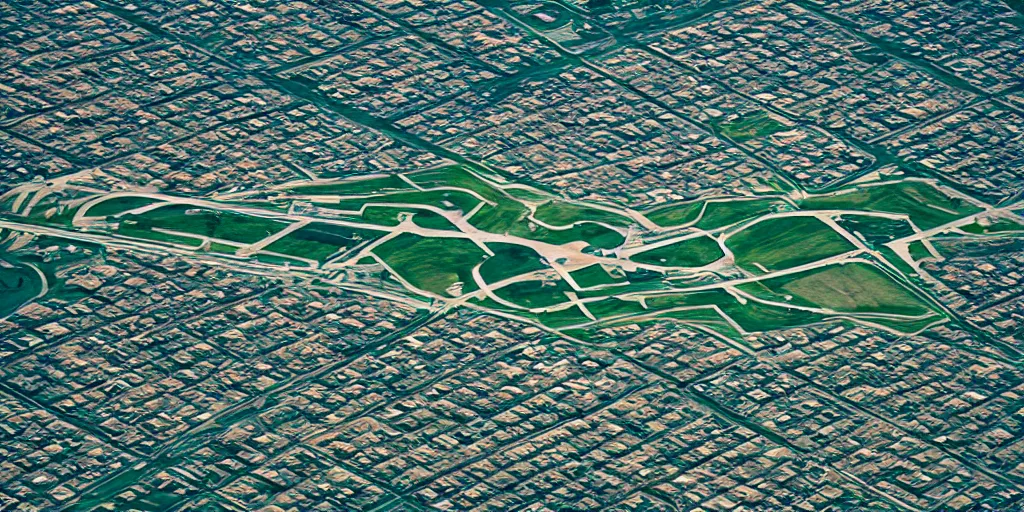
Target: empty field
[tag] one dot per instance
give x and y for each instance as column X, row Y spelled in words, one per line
column 208, row 223
column 450, row 260
column 509, row 260
column 695, row 252
column 786, row 242
column 118, row 205
column 927, row 206
column 18, row 285
column 318, row 241
column 850, row 288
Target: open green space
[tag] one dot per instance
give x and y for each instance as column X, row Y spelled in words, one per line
column 117, row 205
column 752, row 316
column 509, row 260
column 595, row 275
column 850, row 288
column 432, row 264
column 457, row 177
column 499, row 218
column 694, row 252
column 569, row 316
column 444, row 199
column 535, row 294
column 18, row 285
column 358, row 186
column 612, row 306
column 918, row 251
column 994, row 226
column 560, row 213
column 595, row 235
column 748, row 127
column 926, row 205
column 675, row 214
column 726, row 213
column 786, row 242
column 318, row 241
column 390, row 216
column 876, row 230
column 204, row 222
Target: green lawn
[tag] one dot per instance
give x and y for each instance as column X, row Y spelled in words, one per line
column 456, row 176
column 388, row 216
column 876, row 230
column 509, row 260
column 18, row 285
column 594, row 275
column 118, row 205
column 499, row 219
column 753, row 317
column 432, row 264
column 750, row 127
column 535, row 294
column 211, row 223
column 318, row 241
column 594, row 234
column 925, row 204
column 918, row 251
column 786, row 242
column 560, row 213
column 995, row 226
column 357, row 186
column 850, row 288
column 444, row 199
column 695, row 252
column 614, row 307
column 725, row 213
column 569, row 316
column 675, row 214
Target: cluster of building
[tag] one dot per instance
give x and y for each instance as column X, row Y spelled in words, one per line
column 163, row 382
column 983, row 281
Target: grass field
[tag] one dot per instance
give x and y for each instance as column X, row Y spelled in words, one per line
column 118, row 205
column 753, row 317
column 319, row 241
column 850, row 288
column 211, row 223
column 785, row 243
column 725, row 213
column 444, row 199
column 450, row 260
column 455, row 176
column 595, row 275
column 750, row 127
column 509, row 260
column 389, row 216
column 594, row 234
column 559, row 213
column 18, row 285
column 996, row 226
column 535, row 294
column 569, row 316
column 675, row 215
column 613, row 307
column 499, row 219
column 918, row 251
column 695, row 252
column 388, row 183
column 927, row 206
column 876, row 230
